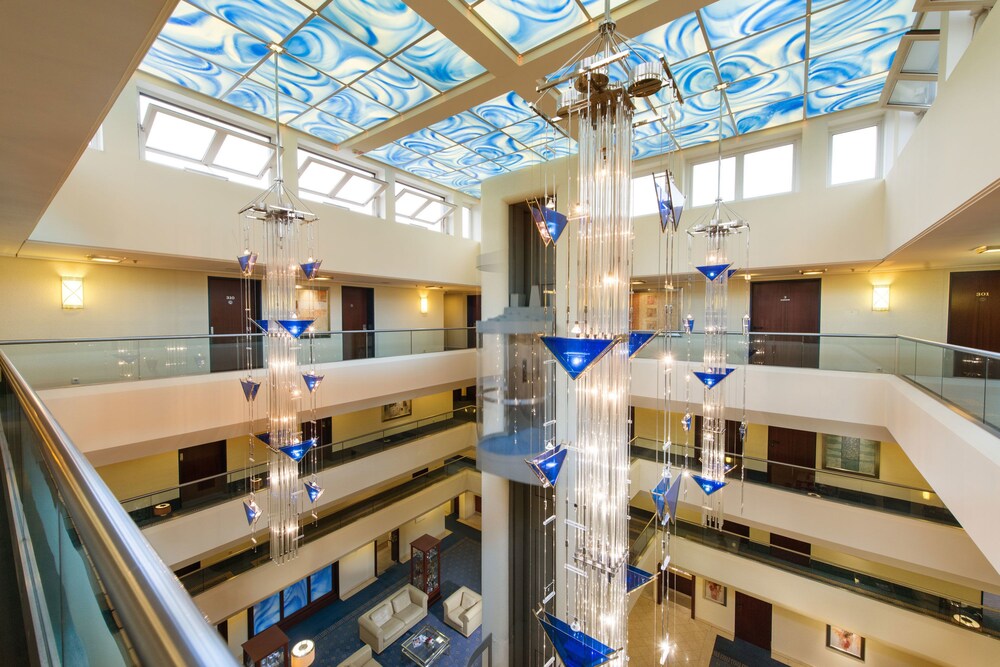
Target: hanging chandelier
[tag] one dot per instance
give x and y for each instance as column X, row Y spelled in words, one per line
column 275, row 226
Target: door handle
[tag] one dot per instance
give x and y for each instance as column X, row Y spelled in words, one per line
column 211, row 331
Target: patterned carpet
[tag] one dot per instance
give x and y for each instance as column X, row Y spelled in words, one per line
column 738, row 653
column 335, row 629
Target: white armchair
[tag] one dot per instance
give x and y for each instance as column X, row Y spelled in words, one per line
column 463, row 610
column 361, row 658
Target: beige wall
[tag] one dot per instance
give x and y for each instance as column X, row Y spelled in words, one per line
column 918, row 304
column 140, row 476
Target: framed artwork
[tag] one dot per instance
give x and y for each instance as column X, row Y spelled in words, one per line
column 845, row 641
column 715, row 592
column 855, row 455
column 397, row 410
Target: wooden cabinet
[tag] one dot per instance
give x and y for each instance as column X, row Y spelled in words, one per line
column 425, row 566
column 269, row 648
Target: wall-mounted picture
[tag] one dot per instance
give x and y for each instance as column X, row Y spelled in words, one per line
column 397, row 410
column 855, row 455
column 845, row 641
column 715, row 592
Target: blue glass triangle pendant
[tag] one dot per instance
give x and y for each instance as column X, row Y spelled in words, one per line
column 638, row 340
column 311, row 268
column 712, row 379
column 250, row 389
column 636, row 578
column 313, row 490
column 295, row 327
column 713, row 271
column 576, row 355
column 312, row 381
column 550, row 223
column 297, row 450
column 575, row 648
column 252, row 510
column 709, row 486
column 247, row 261
column 548, row 464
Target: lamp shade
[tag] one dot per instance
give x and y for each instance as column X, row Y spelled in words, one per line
column 880, row 298
column 72, row 292
column 303, row 653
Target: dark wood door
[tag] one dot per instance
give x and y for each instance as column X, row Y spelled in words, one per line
column 229, row 313
column 794, row 551
column 473, row 313
column 790, row 306
column 394, row 546
column 753, row 620
column 358, row 314
column 795, row 447
column 974, row 320
column 204, row 465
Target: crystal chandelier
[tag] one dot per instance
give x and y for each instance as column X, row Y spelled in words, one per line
column 275, row 224
column 587, row 624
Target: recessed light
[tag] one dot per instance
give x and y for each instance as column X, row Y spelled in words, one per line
column 966, row 620
column 812, row 272
column 987, row 248
column 638, row 282
column 105, row 260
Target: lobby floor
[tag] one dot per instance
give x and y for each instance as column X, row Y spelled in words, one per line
column 693, row 640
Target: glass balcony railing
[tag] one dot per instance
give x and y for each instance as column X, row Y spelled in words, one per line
column 94, row 591
column 237, row 483
column 915, row 502
column 46, row 364
column 204, row 578
column 963, row 613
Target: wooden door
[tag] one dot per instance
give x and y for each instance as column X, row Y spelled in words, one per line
column 753, row 620
column 794, row 551
column 798, row 448
column 358, row 314
column 228, row 313
column 195, row 464
column 789, row 306
column 473, row 313
column 394, row 546
column 974, row 320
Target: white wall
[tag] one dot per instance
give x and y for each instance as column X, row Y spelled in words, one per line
column 430, row 523
column 357, row 569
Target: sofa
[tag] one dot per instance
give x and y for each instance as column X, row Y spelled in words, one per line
column 463, row 610
column 360, row 658
column 389, row 619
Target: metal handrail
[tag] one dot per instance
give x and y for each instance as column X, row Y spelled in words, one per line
column 255, row 334
column 160, row 618
column 955, row 348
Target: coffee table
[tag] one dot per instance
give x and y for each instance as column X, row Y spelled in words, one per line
column 426, row 645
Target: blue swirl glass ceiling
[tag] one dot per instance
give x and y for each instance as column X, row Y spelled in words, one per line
column 351, row 65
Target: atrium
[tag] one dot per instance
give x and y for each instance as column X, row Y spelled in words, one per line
column 526, row 333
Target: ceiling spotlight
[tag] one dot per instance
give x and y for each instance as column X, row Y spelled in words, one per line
column 966, row 620
column 987, row 248
column 812, row 272
column 105, row 260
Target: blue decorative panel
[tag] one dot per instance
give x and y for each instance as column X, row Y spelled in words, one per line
column 765, row 51
column 709, row 486
column 694, row 76
column 385, row 25
column 297, row 80
column 457, row 157
column 729, row 20
column 547, row 465
column 576, row 355
column 636, row 578
column 295, row 327
column 713, row 271
column 855, row 62
column 357, row 109
column 527, row 25
column 296, row 597
column 393, row 154
column 463, row 127
column 269, row 20
column 325, row 126
column 394, row 87
column 550, row 223
column 186, row 69
column 312, row 381
column 311, row 269
column 712, row 379
column 320, row 583
column 484, row 170
column 703, row 132
column 250, row 389
column 297, row 450
column 425, row 167
column 213, row 39
column 638, row 340
column 494, row 145
column 504, row 110
column 259, row 99
column 438, row 61
column 425, row 142
column 252, row 510
column 533, row 131
column 845, row 96
column 773, row 86
column 857, row 21
column 770, row 115
column 557, row 148
column 329, row 49
column 266, row 613
column 519, row 160
column 595, row 8
column 678, row 40
column 313, row 491
column 575, row 648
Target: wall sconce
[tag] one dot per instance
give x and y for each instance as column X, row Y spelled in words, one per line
column 423, row 304
column 72, row 293
column 880, row 298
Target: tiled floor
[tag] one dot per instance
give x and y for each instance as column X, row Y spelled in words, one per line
column 693, row 640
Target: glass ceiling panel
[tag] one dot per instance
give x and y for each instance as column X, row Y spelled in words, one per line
column 356, row 109
column 325, row 126
column 845, row 95
column 457, row 157
column 525, row 26
column 729, row 20
column 765, row 51
column 394, row 87
column 693, row 76
column 385, row 25
column 596, row 7
column 772, row 86
column 186, row 69
column 393, row 154
column 297, row 80
column 678, row 40
column 504, row 110
column 213, row 39
column 770, row 115
column 463, row 127
column 703, row 132
column 259, row 99
column 519, row 160
column 652, row 145
column 854, row 62
column 437, row 60
column 856, row 21
column 484, row 170
column 331, row 50
column 533, row 131
column 492, row 146
column 269, row 20
column 425, row 142
column 427, row 168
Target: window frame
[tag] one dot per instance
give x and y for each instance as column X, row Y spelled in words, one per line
column 221, row 128
column 442, row 225
column 860, row 124
column 313, row 156
column 738, row 171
